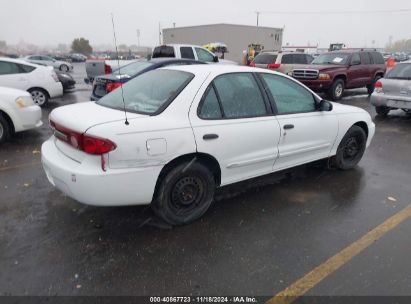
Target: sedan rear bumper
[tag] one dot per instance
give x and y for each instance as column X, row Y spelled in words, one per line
column 87, row 183
column 391, row 101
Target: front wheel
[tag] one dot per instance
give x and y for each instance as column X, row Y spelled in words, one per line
column 40, row 97
column 337, row 89
column 184, row 194
column 5, row 130
column 351, row 149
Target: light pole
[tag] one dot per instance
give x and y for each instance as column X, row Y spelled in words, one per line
column 258, row 15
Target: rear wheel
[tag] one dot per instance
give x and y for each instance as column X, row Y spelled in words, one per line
column 184, row 194
column 382, row 111
column 40, row 97
column 337, row 89
column 64, row 68
column 5, row 130
column 351, row 149
column 371, row 87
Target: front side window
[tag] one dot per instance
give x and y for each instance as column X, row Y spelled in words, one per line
column 149, row 93
column 204, row 55
column 7, row 68
column 289, row 97
column 355, row 60
column 187, row 52
column 240, row 96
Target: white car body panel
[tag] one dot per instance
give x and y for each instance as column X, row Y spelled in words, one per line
column 40, row 77
column 23, row 118
column 245, row 148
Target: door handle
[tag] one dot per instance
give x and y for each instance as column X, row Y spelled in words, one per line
column 288, row 127
column 210, row 136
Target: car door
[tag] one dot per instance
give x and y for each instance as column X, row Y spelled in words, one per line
column 231, row 121
column 11, row 75
column 367, row 72
column 355, row 72
column 307, row 134
column 47, row 60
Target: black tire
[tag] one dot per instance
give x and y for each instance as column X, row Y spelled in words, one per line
column 40, row 96
column 382, row 111
column 5, row 129
column 184, row 194
column 64, row 68
column 337, row 89
column 371, row 87
column 351, row 149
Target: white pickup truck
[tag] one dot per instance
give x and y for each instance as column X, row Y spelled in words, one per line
column 97, row 67
column 188, row 51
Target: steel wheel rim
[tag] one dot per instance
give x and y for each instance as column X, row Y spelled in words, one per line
column 64, row 68
column 39, row 97
column 187, row 194
column 352, row 148
column 339, row 90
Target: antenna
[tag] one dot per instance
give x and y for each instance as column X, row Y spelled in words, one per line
column 119, row 72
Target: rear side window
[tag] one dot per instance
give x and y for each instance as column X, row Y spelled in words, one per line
column 163, row 51
column 187, row 52
column 210, row 108
column 265, row 59
column 377, row 58
column 238, row 95
column 289, row 97
column 287, row 59
column 26, row 68
column 365, row 58
column 7, row 68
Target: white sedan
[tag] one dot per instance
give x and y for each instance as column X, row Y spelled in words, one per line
column 17, row 112
column 180, row 132
column 42, row 82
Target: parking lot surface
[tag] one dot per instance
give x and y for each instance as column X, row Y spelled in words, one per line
column 258, row 238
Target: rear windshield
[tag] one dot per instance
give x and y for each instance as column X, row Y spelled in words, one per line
column 265, row 59
column 133, row 68
column 401, row 71
column 331, row 58
column 148, row 93
column 163, row 51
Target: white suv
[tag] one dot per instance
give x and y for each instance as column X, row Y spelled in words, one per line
column 42, row 82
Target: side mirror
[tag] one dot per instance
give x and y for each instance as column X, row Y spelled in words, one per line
column 215, row 58
column 325, row 106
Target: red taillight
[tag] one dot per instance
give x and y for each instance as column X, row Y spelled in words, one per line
column 273, row 66
column 107, row 69
column 96, row 145
column 81, row 141
column 111, row 86
column 252, row 64
column 378, row 85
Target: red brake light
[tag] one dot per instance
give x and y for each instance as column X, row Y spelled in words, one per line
column 273, row 66
column 252, row 64
column 111, row 86
column 107, row 69
column 378, row 85
column 87, row 143
column 96, row 145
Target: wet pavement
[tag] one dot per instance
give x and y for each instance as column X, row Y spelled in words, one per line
column 259, row 237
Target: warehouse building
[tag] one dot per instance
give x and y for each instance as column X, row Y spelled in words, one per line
column 236, row 37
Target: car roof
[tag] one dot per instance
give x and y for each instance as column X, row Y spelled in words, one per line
column 18, row 61
column 172, row 60
column 179, row 45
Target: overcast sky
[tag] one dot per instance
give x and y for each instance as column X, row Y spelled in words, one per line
column 47, row 22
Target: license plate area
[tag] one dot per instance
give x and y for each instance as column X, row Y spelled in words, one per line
column 399, row 104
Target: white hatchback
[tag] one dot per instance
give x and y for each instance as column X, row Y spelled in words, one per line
column 17, row 113
column 180, row 132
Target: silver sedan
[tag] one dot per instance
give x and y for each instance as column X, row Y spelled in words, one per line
column 393, row 91
column 63, row 66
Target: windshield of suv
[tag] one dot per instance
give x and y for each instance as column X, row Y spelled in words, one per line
column 400, row 71
column 149, row 92
column 265, row 59
column 331, row 58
